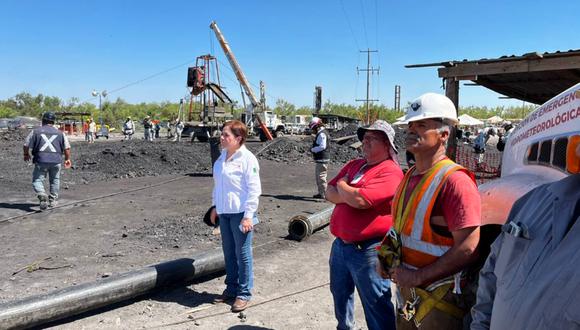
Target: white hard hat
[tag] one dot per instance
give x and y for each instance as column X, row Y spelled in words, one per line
column 314, row 122
column 431, row 105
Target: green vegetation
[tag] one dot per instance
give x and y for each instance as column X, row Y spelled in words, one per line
column 115, row 112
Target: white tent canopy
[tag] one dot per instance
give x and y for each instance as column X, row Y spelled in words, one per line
column 400, row 121
column 494, row 120
column 467, row 120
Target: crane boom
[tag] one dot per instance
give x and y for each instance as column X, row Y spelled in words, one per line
column 254, row 103
column 234, row 63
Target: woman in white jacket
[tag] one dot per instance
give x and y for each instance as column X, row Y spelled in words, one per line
column 236, row 193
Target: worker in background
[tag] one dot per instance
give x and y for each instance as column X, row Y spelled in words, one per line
column 481, row 141
column 362, row 192
column 129, row 128
column 507, row 130
column 157, row 128
column 169, row 129
column 530, row 278
column 47, row 145
column 152, row 130
column 178, row 130
column 86, row 130
column 321, row 154
column 437, row 215
column 147, row 126
column 92, row 130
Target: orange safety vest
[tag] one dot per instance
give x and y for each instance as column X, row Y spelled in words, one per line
column 421, row 246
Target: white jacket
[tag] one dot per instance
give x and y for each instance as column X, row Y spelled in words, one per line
column 237, row 186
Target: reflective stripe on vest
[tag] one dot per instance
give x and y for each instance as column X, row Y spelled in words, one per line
column 421, row 246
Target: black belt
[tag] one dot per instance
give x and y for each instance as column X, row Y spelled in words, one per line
column 361, row 245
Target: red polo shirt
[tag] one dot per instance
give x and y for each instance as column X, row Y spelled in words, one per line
column 377, row 186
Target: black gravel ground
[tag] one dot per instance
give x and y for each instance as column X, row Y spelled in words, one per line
column 137, row 158
column 288, row 150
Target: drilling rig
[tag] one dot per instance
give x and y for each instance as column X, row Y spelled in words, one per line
column 209, row 105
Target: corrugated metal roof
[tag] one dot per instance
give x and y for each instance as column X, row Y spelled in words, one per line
column 533, row 77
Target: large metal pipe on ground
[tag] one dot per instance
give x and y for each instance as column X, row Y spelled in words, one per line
column 301, row 226
column 75, row 300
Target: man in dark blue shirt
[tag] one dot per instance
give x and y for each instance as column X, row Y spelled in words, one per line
column 47, row 145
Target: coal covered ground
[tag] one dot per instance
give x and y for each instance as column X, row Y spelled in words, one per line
column 122, row 161
column 137, row 158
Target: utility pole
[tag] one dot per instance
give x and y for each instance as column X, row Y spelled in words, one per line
column 263, row 95
column 317, row 99
column 369, row 70
column 397, row 98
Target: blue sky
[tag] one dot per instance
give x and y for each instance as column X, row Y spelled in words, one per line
column 68, row 48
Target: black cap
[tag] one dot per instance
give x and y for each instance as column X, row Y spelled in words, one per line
column 49, row 116
column 207, row 218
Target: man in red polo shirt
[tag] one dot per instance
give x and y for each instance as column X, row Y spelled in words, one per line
column 363, row 191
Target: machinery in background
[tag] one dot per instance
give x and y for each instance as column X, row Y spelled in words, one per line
column 209, row 105
column 250, row 114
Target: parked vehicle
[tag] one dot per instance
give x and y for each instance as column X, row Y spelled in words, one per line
column 24, row 123
column 4, row 123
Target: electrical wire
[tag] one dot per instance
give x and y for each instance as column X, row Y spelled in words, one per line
column 143, row 79
column 362, row 11
column 377, row 24
column 272, row 97
column 349, row 25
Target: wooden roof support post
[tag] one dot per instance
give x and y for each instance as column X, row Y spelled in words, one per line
column 452, row 92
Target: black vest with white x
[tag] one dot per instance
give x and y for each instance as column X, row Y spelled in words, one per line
column 47, row 144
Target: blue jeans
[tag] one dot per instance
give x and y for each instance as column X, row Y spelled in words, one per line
column 41, row 170
column 352, row 267
column 237, row 248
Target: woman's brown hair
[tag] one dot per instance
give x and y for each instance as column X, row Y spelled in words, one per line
column 238, row 129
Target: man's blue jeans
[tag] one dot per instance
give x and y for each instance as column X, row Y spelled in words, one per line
column 352, row 267
column 41, row 170
column 237, row 248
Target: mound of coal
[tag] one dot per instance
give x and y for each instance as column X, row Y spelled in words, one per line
column 13, row 135
column 287, row 151
column 138, row 158
column 400, row 135
column 345, row 131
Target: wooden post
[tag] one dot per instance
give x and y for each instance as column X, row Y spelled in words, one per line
column 452, row 92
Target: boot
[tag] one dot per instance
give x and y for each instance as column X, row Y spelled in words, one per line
column 52, row 202
column 43, row 199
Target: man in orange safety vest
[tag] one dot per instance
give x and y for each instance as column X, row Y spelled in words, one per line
column 436, row 219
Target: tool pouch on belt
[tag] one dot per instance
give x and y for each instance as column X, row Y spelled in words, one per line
column 389, row 252
column 421, row 302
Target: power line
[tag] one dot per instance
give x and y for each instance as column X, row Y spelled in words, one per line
column 349, row 25
column 144, row 79
column 272, row 97
column 362, row 11
column 368, row 70
column 377, row 24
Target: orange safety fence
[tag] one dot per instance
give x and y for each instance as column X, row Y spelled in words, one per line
column 488, row 169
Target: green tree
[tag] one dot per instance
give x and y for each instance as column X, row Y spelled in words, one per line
column 284, row 108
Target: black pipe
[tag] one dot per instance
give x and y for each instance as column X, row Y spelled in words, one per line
column 301, row 226
column 71, row 301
